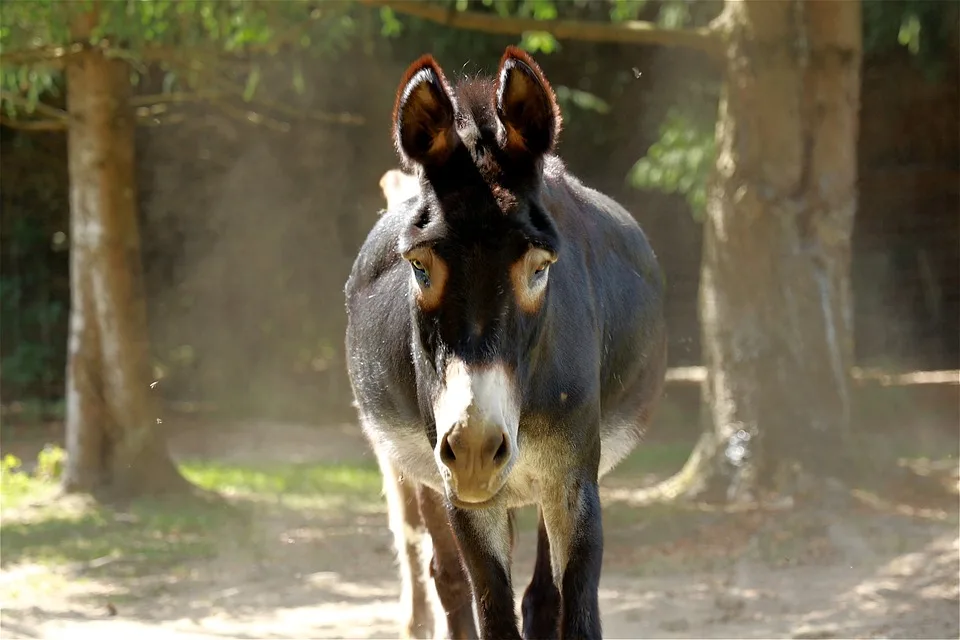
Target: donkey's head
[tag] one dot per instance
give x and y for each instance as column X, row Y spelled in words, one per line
column 479, row 246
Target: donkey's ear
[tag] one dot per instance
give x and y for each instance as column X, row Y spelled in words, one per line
column 526, row 106
column 423, row 115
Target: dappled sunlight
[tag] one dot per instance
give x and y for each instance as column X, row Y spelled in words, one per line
column 917, row 588
column 277, row 561
column 207, row 211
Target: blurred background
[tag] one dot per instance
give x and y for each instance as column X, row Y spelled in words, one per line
column 260, row 132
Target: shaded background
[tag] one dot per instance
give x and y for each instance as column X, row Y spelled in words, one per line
column 249, row 232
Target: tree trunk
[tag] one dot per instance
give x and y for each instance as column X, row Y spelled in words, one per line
column 113, row 444
column 775, row 298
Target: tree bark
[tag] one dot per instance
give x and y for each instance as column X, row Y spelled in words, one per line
column 113, row 445
column 775, row 295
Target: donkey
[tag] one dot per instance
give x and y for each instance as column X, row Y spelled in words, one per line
column 398, row 186
column 417, row 599
column 506, row 346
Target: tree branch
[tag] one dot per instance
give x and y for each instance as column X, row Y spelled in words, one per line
column 628, row 32
column 252, row 117
column 60, row 126
column 33, row 125
column 36, row 55
column 154, row 110
column 45, row 110
column 209, row 70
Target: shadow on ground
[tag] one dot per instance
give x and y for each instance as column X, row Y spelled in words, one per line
column 307, row 554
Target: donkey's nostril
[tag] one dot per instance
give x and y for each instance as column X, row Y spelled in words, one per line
column 446, row 451
column 502, row 451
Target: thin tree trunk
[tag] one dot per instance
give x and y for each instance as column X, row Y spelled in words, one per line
column 775, row 300
column 112, row 440
column 85, row 432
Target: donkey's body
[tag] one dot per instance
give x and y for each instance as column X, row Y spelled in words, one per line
column 478, row 382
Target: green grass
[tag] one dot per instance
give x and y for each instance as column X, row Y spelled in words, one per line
column 18, row 488
column 158, row 535
column 326, row 484
column 653, row 457
column 147, row 537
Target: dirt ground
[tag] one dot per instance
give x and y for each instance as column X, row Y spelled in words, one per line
column 863, row 574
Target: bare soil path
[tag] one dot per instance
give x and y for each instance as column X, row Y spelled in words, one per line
column 866, row 575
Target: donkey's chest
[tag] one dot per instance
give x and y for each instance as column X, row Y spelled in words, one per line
column 540, row 462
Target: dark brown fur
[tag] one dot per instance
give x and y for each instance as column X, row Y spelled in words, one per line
column 545, row 280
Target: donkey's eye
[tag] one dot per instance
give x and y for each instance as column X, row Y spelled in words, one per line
column 420, row 273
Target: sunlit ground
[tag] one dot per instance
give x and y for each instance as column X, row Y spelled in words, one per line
column 292, row 550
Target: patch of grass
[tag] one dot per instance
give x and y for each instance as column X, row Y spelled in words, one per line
column 322, row 485
column 653, row 458
column 152, row 535
column 17, row 487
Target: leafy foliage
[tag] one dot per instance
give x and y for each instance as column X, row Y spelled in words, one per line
column 16, row 485
column 925, row 29
column 184, row 37
column 679, row 161
column 222, row 45
column 210, row 50
column 50, row 462
column 239, row 26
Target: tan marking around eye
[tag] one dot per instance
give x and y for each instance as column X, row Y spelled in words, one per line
column 529, row 300
column 428, row 298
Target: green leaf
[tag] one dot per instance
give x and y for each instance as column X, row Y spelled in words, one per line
column 695, row 158
column 538, row 41
column 33, row 93
column 169, row 81
column 391, row 26
column 253, row 80
column 626, row 10
column 640, row 174
column 544, row 10
column 679, row 161
column 299, row 84
column 674, row 14
column 671, row 176
column 581, row 99
column 909, row 34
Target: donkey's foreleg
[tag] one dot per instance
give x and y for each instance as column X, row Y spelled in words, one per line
column 408, row 533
